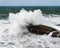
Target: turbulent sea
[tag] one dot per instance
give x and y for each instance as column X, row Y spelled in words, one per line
column 13, row 31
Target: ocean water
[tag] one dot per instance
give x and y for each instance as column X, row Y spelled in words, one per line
column 13, row 31
column 5, row 10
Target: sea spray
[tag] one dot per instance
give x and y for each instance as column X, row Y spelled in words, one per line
column 20, row 20
column 16, row 24
column 24, row 18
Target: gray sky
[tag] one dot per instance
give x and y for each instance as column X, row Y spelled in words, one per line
column 29, row 2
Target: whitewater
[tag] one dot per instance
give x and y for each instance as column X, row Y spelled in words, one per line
column 14, row 34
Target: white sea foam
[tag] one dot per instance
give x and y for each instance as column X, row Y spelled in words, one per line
column 24, row 18
column 16, row 25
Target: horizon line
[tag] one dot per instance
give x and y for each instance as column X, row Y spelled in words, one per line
column 28, row 6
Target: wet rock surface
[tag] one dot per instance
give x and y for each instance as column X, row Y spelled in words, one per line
column 56, row 34
column 42, row 29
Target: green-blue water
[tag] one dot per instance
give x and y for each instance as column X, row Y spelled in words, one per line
column 5, row 10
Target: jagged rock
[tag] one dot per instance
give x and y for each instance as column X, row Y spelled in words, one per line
column 56, row 34
column 40, row 29
column 58, row 25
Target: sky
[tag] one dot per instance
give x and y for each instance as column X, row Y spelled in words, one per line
column 29, row 2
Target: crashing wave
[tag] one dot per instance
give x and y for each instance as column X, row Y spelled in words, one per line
column 16, row 25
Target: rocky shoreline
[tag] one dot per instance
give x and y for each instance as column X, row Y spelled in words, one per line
column 43, row 29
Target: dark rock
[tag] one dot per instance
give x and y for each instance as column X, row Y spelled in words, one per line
column 40, row 29
column 56, row 34
column 58, row 25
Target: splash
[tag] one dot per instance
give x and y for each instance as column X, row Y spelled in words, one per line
column 16, row 25
column 20, row 20
column 24, row 18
